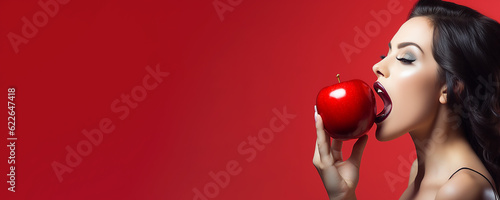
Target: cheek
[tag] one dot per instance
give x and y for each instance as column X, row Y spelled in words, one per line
column 415, row 97
column 414, row 101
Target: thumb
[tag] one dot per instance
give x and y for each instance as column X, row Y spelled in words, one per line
column 357, row 151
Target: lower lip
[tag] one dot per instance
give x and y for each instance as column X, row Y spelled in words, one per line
column 380, row 118
column 387, row 103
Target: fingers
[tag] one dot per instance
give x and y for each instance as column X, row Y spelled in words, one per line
column 316, row 159
column 323, row 141
column 357, row 151
column 337, row 150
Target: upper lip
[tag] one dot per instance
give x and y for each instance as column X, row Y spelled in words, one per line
column 380, row 90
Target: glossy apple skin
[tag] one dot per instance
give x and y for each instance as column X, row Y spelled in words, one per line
column 348, row 109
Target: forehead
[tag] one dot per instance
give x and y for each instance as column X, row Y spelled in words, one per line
column 418, row 30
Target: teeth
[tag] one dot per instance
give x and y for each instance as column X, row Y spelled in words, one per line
column 379, row 91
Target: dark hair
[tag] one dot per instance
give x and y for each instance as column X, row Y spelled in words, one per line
column 466, row 46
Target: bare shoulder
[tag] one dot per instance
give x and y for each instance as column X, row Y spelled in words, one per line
column 465, row 185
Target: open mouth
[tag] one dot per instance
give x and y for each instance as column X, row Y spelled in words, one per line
column 387, row 102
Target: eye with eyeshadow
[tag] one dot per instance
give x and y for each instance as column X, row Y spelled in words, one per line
column 407, row 58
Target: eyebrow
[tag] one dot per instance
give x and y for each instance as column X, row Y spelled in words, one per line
column 405, row 44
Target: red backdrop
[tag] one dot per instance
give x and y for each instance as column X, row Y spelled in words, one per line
column 186, row 100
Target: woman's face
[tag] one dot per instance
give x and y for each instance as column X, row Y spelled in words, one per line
column 409, row 75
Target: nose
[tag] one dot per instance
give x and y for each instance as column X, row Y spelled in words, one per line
column 380, row 69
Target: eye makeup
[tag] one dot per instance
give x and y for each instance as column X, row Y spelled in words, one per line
column 407, row 58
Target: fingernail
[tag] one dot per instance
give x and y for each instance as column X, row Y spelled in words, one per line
column 315, row 114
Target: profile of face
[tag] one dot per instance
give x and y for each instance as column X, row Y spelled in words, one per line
column 409, row 74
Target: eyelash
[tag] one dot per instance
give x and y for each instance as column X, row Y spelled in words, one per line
column 403, row 60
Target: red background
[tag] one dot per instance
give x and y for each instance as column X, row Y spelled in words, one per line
column 225, row 79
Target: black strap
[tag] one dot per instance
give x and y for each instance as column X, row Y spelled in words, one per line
column 494, row 190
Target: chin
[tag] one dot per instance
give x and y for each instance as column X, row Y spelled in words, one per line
column 384, row 135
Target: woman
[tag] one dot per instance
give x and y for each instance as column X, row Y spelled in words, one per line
column 442, row 75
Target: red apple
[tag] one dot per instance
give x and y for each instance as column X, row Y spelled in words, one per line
column 348, row 109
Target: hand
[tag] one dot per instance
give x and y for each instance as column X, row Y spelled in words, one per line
column 339, row 177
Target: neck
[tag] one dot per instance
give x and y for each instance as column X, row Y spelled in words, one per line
column 433, row 144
